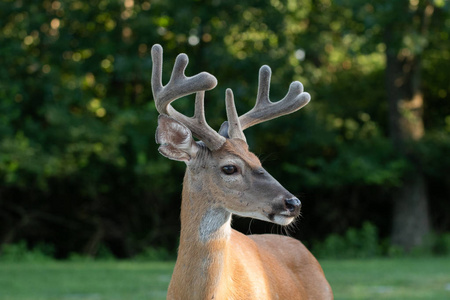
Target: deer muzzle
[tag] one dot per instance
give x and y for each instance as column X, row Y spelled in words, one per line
column 293, row 205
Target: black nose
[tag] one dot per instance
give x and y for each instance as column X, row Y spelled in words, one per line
column 293, row 204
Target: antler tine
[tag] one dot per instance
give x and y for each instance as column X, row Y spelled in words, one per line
column 234, row 125
column 197, row 124
column 178, row 86
column 265, row 110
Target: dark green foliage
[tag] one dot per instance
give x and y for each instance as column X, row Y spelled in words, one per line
column 155, row 254
column 365, row 243
column 79, row 168
column 20, row 253
column 441, row 245
column 355, row 243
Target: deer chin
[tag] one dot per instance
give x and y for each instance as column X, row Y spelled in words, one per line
column 280, row 219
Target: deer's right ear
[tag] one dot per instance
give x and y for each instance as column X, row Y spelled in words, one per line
column 175, row 139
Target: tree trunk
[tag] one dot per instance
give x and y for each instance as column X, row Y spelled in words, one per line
column 410, row 213
column 410, row 222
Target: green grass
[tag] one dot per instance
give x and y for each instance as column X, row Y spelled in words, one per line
column 411, row 278
column 407, row 278
column 84, row 280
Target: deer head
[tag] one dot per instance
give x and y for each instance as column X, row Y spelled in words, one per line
column 220, row 165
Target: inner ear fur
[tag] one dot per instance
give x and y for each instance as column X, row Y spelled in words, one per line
column 175, row 139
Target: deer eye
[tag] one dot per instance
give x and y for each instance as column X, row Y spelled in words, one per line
column 229, row 169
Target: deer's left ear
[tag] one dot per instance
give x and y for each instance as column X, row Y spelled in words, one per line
column 175, row 139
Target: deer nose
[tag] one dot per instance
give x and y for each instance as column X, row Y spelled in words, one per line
column 293, row 204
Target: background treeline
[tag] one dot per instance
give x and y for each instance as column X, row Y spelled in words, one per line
column 79, row 168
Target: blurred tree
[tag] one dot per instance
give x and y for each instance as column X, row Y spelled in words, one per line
column 78, row 164
column 402, row 28
column 406, row 37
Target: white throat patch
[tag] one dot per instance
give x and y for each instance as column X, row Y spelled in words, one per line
column 215, row 224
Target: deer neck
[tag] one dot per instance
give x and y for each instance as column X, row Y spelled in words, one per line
column 205, row 233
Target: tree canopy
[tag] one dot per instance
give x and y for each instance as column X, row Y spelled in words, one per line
column 79, row 167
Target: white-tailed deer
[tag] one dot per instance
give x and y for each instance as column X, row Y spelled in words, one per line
column 223, row 178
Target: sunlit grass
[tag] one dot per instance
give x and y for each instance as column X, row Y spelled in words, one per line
column 409, row 278
column 84, row 280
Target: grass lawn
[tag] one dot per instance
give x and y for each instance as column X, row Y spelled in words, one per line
column 84, row 280
column 407, row 278
column 412, row 278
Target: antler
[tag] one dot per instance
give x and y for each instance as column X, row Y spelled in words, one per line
column 178, row 86
column 264, row 109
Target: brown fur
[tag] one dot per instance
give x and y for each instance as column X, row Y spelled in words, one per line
column 239, row 148
column 229, row 265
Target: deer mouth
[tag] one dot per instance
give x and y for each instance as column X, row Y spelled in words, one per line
column 283, row 212
column 283, row 218
column 286, row 213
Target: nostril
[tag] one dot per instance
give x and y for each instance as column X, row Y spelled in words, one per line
column 293, row 204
